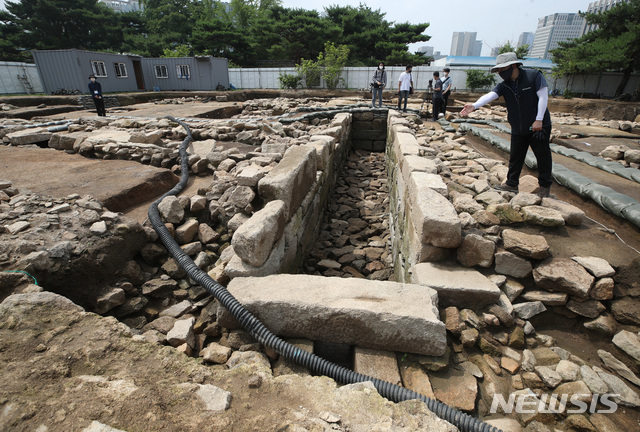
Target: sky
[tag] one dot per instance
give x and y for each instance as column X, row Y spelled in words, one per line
column 495, row 21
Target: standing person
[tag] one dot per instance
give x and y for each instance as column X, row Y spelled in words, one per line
column 437, row 95
column 379, row 82
column 405, row 86
column 447, row 82
column 96, row 94
column 526, row 95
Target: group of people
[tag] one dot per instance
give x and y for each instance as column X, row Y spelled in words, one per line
column 441, row 89
column 526, row 95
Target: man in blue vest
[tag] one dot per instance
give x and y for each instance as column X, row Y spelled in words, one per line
column 96, row 95
column 526, row 95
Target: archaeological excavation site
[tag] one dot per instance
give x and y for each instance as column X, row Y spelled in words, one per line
column 299, row 261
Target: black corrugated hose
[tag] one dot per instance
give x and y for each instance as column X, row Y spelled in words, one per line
column 259, row 332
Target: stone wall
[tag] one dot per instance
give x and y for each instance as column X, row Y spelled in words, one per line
column 370, row 130
column 424, row 224
column 277, row 238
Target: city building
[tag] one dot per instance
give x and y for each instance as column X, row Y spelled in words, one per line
column 429, row 51
column 465, row 44
column 525, row 38
column 598, row 7
column 552, row 29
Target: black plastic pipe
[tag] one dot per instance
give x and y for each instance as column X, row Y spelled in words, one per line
column 259, row 332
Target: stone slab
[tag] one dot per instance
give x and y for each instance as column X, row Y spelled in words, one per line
column 372, row 314
column 460, row 287
column 377, row 364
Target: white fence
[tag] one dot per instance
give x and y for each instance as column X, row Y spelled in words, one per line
column 19, row 78
column 359, row 78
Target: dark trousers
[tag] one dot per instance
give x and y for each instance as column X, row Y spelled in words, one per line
column 519, row 146
column 445, row 100
column 377, row 94
column 437, row 107
column 403, row 94
column 99, row 103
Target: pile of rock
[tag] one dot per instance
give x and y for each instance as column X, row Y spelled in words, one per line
column 7, row 107
column 623, row 154
column 355, row 236
column 180, row 101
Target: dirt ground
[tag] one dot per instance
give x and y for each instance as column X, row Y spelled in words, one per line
column 130, row 187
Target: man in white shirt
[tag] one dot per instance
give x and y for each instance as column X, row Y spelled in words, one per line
column 405, row 85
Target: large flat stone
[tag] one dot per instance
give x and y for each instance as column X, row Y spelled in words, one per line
column 291, row 179
column 464, row 288
column 373, row 314
column 434, row 217
column 255, row 238
column 564, row 275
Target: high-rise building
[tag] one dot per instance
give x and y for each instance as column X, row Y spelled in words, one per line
column 464, row 44
column 598, row 7
column 552, row 29
column 525, row 38
column 477, row 50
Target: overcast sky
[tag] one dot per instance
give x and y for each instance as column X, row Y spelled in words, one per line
column 495, row 21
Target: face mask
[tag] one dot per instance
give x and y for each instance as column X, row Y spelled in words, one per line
column 380, row 67
column 506, row 74
column 93, row 80
column 445, row 74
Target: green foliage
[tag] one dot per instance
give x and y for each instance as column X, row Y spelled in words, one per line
column 289, row 81
column 333, row 60
column 567, row 94
column 479, row 79
column 614, row 45
column 329, row 66
column 179, row 51
column 310, row 71
column 521, row 52
column 370, row 38
column 247, row 32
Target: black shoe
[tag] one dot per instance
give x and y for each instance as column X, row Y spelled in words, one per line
column 543, row 192
column 506, row 188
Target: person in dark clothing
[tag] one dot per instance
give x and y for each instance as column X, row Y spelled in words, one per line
column 526, row 95
column 437, row 95
column 95, row 89
column 446, row 88
column 378, row 83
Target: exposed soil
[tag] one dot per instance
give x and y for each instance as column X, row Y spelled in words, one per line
column 118, row 184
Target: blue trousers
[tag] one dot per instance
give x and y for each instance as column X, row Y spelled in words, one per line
column 377, row 92
column 403, row 94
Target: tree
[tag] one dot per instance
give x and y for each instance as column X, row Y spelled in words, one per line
column 479, row 79
column 333, row 60
column 228, row 31
column 521, row 52
column 60, row 24
column 179, row 51
column 614, row 45
column 292, row 34
column 370, row 38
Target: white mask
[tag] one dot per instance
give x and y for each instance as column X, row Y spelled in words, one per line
column 93, row 80
column 444, row 74
column 380, row 67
